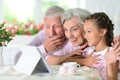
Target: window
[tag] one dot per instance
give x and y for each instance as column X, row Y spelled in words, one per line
column 21, row 10
column 24, row 10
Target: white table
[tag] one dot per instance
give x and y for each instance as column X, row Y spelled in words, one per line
column 85, row 73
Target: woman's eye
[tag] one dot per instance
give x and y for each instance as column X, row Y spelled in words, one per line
column 88, row 31
column 84, row 31
column 65, row 30
column 74, row 29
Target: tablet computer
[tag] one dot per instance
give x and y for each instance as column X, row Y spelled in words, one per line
column 32, row 61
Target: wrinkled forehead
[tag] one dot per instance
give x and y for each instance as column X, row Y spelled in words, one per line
column 71, row 23
column 52, row 20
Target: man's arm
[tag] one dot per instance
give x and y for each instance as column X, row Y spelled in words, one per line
column 39, row 39
column 56, row 60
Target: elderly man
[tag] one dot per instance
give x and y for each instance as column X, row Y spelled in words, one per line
column 52, row 37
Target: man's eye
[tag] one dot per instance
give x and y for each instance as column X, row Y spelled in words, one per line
column 57, row 26
column 47, row 26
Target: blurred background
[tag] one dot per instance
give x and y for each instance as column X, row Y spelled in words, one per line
column 22, row 12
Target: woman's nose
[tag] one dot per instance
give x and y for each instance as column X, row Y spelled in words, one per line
column 71, row 35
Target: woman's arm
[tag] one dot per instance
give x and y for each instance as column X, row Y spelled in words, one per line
column 59, row 59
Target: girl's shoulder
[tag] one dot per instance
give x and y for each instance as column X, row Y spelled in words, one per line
column 90, row 50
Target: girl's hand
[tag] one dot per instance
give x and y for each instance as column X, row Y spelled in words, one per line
column 117, row 38
column 113, row 55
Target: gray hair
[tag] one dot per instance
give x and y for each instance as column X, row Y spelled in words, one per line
column 81, row 14
column 54, row 11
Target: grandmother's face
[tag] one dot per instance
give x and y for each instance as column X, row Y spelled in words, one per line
column 73, row 31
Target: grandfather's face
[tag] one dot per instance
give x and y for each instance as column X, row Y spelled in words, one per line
column 53, row 26
column 73, row 31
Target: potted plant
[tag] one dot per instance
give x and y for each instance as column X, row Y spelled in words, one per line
column 5, row 37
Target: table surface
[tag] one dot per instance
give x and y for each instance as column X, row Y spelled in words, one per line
column 84, row 73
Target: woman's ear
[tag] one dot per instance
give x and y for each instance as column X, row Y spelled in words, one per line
column 103, row 32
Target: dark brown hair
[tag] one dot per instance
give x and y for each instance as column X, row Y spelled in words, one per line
column 103, row 22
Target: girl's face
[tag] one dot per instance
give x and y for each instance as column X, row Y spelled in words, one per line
column 73, row 31
column 91, row 32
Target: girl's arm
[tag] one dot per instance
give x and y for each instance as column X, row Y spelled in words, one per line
column 112, row 62
column 115, row 69
column 112, row 71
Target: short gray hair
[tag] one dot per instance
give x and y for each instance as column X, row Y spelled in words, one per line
column 54, row 11
column 81, row 14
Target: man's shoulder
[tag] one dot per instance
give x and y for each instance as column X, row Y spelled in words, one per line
column 41, row 35
column 42, row 32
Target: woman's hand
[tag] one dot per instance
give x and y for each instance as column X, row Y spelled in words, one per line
column 77, row 52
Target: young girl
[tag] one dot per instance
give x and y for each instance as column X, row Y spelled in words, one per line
column 98, row 31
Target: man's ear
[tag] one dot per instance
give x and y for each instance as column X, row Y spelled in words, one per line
column 103, row 32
